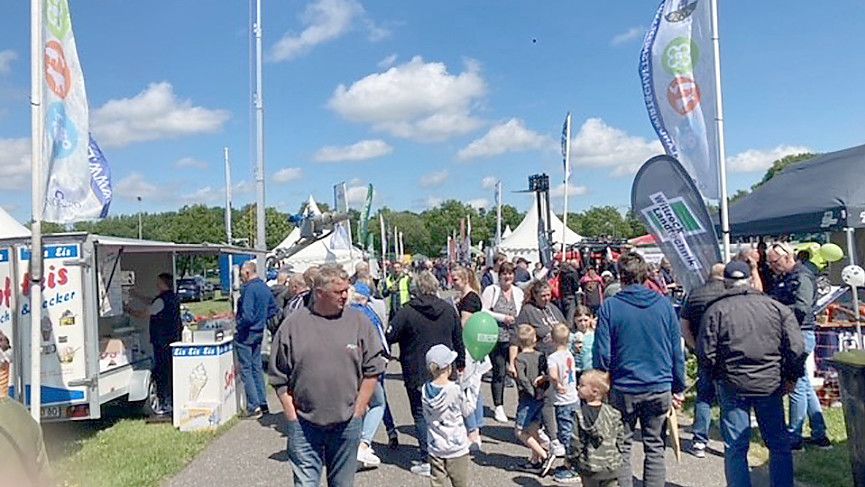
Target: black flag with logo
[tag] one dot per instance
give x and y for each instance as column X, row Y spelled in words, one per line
column 668, row 202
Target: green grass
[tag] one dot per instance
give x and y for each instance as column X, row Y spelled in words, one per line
column 129, row 453
column 204, row 308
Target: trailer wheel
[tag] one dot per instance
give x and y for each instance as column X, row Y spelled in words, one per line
column 149, row 406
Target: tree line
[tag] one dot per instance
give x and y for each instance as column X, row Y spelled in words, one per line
column 425, row 232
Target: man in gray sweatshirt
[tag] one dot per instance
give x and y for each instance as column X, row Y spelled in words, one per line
column 325, row 364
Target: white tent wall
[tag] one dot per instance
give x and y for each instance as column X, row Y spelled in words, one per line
column 10, row 227
column 523, row 241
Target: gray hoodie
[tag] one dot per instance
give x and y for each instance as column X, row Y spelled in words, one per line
column 444, row 409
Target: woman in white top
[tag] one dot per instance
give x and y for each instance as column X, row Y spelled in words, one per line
column 503, row 301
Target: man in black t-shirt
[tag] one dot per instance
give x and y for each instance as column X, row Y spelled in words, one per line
column 692, row 314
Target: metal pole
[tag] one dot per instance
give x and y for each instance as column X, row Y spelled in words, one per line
column 498, row 213
column 261, row 234
column 139, row 219
column 38, row 205
column 851, row 255
column 567, row 180
column 719, row 127
column 228, row 236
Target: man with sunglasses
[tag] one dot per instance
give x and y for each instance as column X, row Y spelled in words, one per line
column 795, row 285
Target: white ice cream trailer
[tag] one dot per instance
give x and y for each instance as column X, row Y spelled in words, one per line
column 92, row 351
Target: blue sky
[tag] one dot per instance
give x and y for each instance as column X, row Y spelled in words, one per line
column 426, row 100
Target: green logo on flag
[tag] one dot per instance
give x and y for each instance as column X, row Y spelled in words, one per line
column 57, row 18
column 680, row 56
column 671, row 217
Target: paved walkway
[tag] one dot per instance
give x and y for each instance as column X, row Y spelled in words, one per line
column 253, row 454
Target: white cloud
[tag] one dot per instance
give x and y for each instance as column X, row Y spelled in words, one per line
column 489, row 182
column 15, row 163
column 7, row 56
column 190, row 163
column 760, row 160
column 209, row 194
column 287, row 174
column 135, row 185
column 511, row 136
column 387, row 62
column 324, row 21
column 597, row 144
column 629, row 35
column 479, row 203
column 365, row 149
column 573, row 190
column 434, row 179
column 155, row 113
column 415, row 100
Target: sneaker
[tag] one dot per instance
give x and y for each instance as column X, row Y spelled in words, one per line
column 265, row 410
column 366, row 457
column 510, row 383
column 422, row 469
column 255, row 414
column 797, row 445
column 547, row 465
column 822, row 443
column 475, row 447
column 531, row 467
column 500, row 415
column 566, row 476
column 557, row 449
column 698, row 449
column 392, row 440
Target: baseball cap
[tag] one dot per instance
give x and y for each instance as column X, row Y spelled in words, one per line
column 362, row 289
column 440, row 355
column 606, row 274
column 736, row 270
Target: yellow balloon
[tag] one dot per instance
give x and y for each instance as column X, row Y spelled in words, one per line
column 831, row 252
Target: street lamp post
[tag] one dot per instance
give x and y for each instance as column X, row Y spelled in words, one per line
column 139, row 219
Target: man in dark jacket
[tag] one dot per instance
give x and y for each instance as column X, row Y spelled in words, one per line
column 753, row 346
column 796, row 287
column 639, row 343
column 425, row 321
column 692, row 313
column 569, row 286
column 255, row 306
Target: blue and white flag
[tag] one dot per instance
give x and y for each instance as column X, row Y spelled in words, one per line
column 71, row 194
column 566, row 145
column 677, row 70
column 100, row 176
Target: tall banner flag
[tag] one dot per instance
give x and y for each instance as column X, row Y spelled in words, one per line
column 100, row 176
column 566, row 143
column 342, row 230
column 75, row 187
column 668, row 202
column 677, row 71
column 363, row 225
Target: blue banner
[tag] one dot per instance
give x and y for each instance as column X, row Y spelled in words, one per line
column 100, row 176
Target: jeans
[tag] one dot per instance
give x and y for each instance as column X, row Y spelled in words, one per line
column 372, row 419
column 251, row 373
column 569, row 309
column 415, row 402
column 803, row 401
column 499, row 358
column 565, row 423
column 311, row 447
column 736, row 430
column 475, row 420
column 650, row 408
column 703, row 405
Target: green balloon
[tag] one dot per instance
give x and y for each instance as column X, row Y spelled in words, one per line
column 831, row 252
column 480, row 335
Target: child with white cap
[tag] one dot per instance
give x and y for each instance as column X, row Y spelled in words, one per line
column 444, row 407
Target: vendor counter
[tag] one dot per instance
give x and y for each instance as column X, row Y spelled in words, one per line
column 205, row 386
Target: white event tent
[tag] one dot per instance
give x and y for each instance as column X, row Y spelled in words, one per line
column 523, row 241
column 10, row 227
column 329, row 250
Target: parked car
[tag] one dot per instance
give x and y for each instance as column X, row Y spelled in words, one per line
column 194, row 289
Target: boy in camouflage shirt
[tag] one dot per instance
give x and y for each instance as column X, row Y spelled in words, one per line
column 596, row 444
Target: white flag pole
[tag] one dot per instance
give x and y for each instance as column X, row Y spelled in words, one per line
column 498, row 213
column 719, row 127
column 567, row 178
column 38, row 203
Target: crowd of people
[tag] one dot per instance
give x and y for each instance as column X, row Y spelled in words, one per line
column 593, row 349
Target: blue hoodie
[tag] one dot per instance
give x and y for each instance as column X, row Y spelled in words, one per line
column 639, row 343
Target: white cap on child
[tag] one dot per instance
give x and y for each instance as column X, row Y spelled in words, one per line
column 440, row 355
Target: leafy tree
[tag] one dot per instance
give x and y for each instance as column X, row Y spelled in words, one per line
column 782, row 164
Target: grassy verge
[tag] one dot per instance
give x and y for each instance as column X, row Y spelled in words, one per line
column 204, row 308
column 130, row 453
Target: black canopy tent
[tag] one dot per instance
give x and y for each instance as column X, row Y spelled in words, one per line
column 824, row 194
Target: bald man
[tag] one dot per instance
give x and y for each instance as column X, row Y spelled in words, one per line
column 692, row 314
column 255, row 306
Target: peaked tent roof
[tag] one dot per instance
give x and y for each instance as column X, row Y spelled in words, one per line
column 321, row 252
column 507, row 233
column 823, row 194
column 10, row 227
column 523, row 241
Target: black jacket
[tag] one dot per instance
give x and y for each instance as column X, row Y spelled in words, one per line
column 569, row 281
column 423, row 322
column 751, row 342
